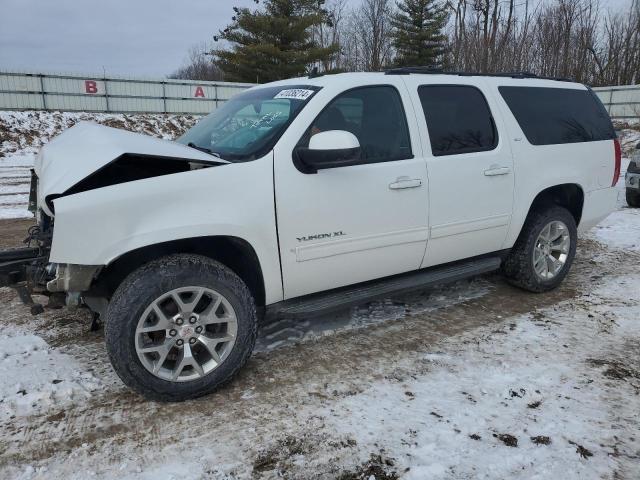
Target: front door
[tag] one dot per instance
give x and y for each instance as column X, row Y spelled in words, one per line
column 470, row 170
column 346, row 225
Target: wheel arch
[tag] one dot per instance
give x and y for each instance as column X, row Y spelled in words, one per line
column 567, row 195
column 233, row 252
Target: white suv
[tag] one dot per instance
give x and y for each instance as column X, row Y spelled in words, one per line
column 306, row 195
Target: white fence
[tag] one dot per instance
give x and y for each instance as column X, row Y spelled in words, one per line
column 35, row 91
column 622, row 103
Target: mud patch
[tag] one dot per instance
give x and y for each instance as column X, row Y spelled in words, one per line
column 378, row 467
column 580, row 450
column 541, row 440
column 275, row 457
column 615, row 369
column 506, row 438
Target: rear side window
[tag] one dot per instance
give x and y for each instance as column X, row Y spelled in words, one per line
column 458, row 118
column 373, row 114
column 551, row 116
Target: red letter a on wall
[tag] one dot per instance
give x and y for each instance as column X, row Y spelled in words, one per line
column 199, row 92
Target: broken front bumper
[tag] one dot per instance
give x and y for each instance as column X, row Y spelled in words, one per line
column 19, row 268
column 28, row 272
column 73, row 278
column 18, row 264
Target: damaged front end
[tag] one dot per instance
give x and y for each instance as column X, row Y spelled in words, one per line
column 27, row 269
column 83, row 159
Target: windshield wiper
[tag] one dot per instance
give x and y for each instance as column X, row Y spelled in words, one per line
column 204, row 149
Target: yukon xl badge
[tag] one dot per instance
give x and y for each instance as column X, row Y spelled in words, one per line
column 321, row 236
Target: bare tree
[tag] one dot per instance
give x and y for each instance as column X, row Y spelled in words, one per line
column 372, row 25
column 579, row 39
column 561, row 38
column 198, row 65
column 331, row 33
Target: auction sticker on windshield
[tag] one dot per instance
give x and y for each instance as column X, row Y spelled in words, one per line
column 295, row 94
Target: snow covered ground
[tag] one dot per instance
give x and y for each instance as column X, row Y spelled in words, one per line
column 472, row 380
column 490, row 383
column 52, row 380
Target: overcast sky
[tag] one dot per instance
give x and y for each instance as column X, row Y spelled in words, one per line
column 125, row 37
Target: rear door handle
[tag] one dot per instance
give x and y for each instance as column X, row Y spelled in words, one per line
column 495, row 170
column 405, row 182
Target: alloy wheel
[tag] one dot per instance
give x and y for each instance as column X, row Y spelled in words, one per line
column 551, row 250
column 186, row 333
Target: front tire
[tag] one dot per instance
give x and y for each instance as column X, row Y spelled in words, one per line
column 180, row 327
column 544, row 251
column 633, row 198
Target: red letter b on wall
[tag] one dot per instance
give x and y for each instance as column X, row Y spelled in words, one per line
column 90, row 86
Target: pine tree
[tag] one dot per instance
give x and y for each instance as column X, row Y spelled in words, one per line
column 272, row 43
column 417, row 33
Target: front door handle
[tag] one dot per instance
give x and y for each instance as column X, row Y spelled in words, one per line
column 405, row 182
column 495, row 170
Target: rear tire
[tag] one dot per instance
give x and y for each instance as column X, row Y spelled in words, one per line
column 181, row 313
column 633, row 198
column 530, row 265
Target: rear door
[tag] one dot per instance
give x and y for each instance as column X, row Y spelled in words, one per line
column 346, row 225
column 470, row 168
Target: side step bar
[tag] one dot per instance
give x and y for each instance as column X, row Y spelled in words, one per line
column 340, row 298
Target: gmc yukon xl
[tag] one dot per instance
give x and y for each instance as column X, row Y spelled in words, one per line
column 306, row 195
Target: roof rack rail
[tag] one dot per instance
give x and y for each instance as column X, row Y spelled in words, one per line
column 440, row 71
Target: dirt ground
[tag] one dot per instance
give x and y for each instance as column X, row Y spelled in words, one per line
column 280, row 385
column 13, row 232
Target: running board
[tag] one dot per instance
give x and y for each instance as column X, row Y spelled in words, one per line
column 324, row 302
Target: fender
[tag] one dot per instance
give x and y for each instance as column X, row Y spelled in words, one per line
column 96, row 227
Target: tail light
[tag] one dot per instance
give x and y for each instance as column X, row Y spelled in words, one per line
column 616, row 168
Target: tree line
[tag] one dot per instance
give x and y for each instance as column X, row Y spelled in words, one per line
column 583, row 40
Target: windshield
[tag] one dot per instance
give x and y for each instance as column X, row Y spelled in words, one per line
column 248, row 126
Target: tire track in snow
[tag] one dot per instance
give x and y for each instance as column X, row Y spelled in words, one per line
column 275, row 380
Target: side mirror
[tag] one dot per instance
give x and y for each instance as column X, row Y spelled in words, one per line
column 330, row 149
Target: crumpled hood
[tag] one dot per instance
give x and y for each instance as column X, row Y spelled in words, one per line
column 87, row 147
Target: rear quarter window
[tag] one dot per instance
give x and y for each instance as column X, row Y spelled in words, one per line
column 552, row 116
column 458, row 119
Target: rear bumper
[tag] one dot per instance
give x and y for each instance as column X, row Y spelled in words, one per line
column 598, row 205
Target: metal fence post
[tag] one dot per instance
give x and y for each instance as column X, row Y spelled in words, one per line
column 44, row 98
column 610, row 100
column 106, row 94
column 164, row 96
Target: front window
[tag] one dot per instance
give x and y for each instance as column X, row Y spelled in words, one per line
column 248, row 126
column 375, row 115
